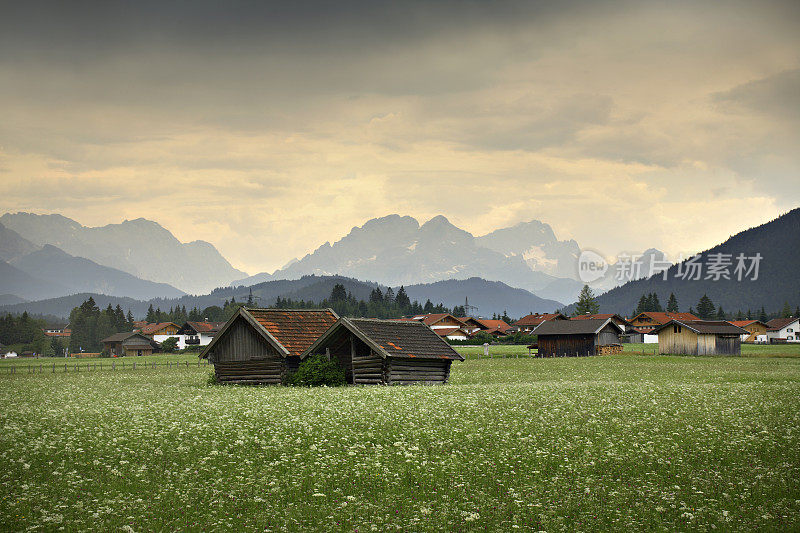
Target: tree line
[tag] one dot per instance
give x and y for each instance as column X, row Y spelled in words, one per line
column 706, row 310
column 378, row 305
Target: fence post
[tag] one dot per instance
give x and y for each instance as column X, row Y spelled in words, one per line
column 54, row 368
column 113, row 365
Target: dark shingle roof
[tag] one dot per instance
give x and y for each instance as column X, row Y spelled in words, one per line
column 397, row 338
column 589, row 326
column 119, row 337
column 203, row 327
column 295, row 329
column 720, row 327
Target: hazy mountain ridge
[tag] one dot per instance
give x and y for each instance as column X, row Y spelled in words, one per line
column 536, row 243
column 397, row 250
column 81, row 275
column 139, row 247
column 13, row 245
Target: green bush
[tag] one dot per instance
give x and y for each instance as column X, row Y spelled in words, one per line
column 212, row 379
column 169, row 345
column 316, row 371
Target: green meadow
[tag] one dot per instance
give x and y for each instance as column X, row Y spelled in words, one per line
column 615, row 442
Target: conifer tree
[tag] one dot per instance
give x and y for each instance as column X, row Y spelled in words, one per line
column 672, row 303
column 705, row 308
column 587, row 304
column 762, row 316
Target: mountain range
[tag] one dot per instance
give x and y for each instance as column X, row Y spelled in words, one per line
column 397, row 250
column 49, row 257
column 139, row 247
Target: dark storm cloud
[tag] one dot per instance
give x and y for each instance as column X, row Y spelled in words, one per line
column 777, row 95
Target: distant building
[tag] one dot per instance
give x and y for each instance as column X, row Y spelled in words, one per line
column 129, row 344
column 530, row 322
column 783, row 330
column 453, row 334
column 264, row 346
column 161, row 331
column 755, row 329
column 646, row 323
column 445, row 325
column 387, row 352
column 559, row 338
column 197, row 333
column 60, row 331
column 699, row 337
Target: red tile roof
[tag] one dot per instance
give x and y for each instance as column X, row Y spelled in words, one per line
column 536, row 319
column 295, row 329
column 499, row 325
column 743, row 323
column 444, row 332
column 433, row 318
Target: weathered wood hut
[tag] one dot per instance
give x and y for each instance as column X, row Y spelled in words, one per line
column 264, row 346
column 558, row 338
column 130, row 343
column 387, row 352
column 699, row 337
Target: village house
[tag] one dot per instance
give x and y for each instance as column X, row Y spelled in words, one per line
column 755, row 329
column 62, row 332
column 699, row 337
column 264, row 346
column 197, row 333
column 161, row 331
column 783, row 330
column 128, row 344
column 646, row 323
column 472, row 325
column 495, row 328
column 445, row 325
column 387, row 352
column 559, row 338
column 530, row 322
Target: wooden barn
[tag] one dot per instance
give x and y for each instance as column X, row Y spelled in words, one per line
column 264, row 346
column 387, row 352
column 559, row 338
column 699, row 337
column 129, row 343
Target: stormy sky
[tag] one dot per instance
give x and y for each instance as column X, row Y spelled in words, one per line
column 269, row 128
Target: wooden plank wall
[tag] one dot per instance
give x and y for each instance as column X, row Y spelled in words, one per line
column 368, row 367
column 566, row 345
column 241, row 343
column 402, row 371
column 257, row 372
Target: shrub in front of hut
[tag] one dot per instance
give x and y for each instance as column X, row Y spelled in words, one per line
column 316, row 371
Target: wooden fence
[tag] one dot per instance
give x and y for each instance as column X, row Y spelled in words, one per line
column 102, row 365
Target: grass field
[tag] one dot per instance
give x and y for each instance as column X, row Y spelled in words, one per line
column 622, row 442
